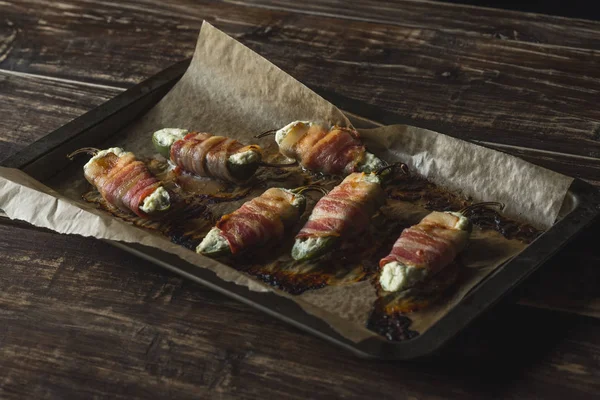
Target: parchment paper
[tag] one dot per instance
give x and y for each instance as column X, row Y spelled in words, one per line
column 232, row 91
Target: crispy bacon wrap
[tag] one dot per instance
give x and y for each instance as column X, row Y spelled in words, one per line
column 432, row 244
column 335, row 151
column 206, row 155
column 347, row 210
column 262, row 220
column 122, row 180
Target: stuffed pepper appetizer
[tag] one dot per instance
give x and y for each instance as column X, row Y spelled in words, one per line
column 343, row 213
column 125, row 182
column 259, row 222
column 426, row 248
column 203, row 154
column 334, row 151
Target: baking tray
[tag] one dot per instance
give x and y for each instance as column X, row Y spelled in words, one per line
column 46, row 157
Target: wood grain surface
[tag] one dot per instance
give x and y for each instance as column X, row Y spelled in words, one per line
column 81, row 319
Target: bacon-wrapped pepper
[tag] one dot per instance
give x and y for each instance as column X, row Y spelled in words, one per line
column 343, row 213
column 203, row 154
column 125, row 182
column 335, row 151
column 424, row 249
column 259, row 222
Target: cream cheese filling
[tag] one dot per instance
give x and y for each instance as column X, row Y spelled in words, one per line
column 397, row 276
column 245, row 157
column 283, row 132
column 159, row 200
column 371, row 177
column 297, row 200
column 371, row 163
column 308, row 245
column 167, row 136
column 117, row 151
column 213, row 242
column 463, row 222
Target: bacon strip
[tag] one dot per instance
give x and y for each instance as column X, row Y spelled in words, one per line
column 203, row 154
column 123, row 182
column 346, row 210
column 259, row 221
column 334, row 152
column 433, row 243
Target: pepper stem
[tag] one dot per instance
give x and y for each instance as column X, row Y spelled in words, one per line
column 265, row 133
column 403, row 167
column 484, row 204
column 92, row 151
column 307, row 188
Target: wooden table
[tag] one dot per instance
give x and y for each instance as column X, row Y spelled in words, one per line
column 79, row 318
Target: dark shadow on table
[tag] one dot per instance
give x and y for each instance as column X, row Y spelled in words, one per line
column 585, row 9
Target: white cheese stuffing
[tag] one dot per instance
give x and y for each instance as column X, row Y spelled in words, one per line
column 298, row 200
column 117, row 151
column 167, row 136
column 305, row 246
column 213, row 242
column 396, row 276
column 372, row 177
column 371, row 163
column 463, row 222
column 245, row 157
column 159, row 200
column 283, row 132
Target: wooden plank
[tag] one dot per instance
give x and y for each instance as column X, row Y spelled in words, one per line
column 32, row 107
column 504, row 92
column 98, row 42
column 83, row 319
column 454, row 19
